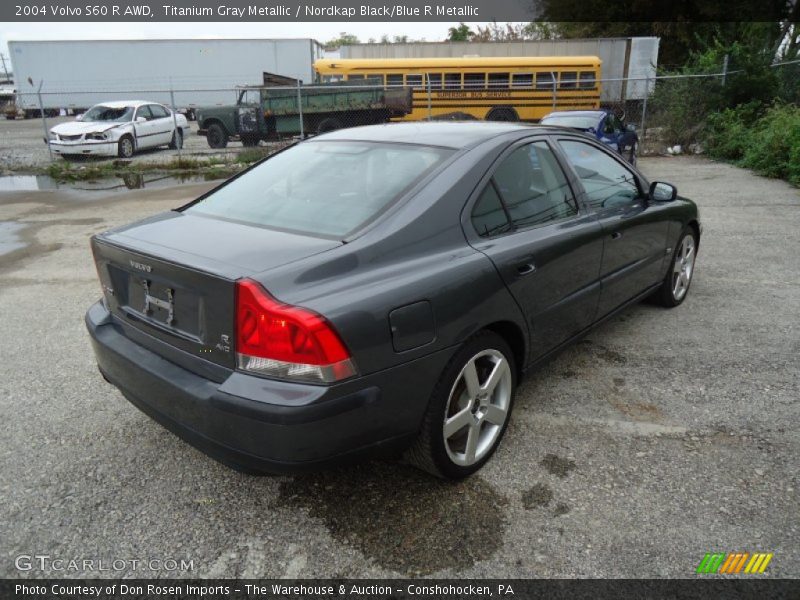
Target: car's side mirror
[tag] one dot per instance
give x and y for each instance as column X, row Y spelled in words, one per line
column 662, row 192
column 79, row 117
column 141, row 120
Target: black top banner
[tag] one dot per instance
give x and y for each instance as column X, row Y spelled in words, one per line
column 396, row 10
column 397, row 589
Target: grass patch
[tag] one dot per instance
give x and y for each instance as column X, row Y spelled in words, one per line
column 213, row 167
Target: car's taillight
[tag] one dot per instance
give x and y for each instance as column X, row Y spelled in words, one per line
column 287, row 342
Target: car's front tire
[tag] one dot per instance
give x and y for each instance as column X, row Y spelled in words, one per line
column 125, row 147
column 675, row 287
column 469, row 409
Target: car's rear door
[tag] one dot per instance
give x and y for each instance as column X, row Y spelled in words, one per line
column 163, row 124
column 635, row 231
column 145, row 130
column 525, row 218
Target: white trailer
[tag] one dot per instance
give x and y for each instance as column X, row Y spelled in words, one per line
column 628, row 63
column 78, row 74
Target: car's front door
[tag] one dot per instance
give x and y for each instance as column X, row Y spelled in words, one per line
column 635, row 240
column 545, row 246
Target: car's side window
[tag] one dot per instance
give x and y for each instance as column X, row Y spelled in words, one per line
column 144, row 111
column 607, row 182
column 159, row 112
column 529, row 188
column 533, row 187
column 488, row 215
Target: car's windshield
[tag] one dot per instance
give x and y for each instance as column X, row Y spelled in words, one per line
column 574, row 121
column 322, row 188
column 108, row 113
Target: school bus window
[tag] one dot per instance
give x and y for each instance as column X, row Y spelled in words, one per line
column 414, row 80
column 522, row 80
column 568, row 80
column 587, row 80
column 474, row 80
column 452, row 80
column 355, row 77
column 544, row 81
column 499, row 80
column 394, row 79
column 435, row 80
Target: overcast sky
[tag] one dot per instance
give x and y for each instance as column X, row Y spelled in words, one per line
column 432, row 32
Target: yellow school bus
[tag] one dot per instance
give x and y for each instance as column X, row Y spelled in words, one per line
column 497, row 89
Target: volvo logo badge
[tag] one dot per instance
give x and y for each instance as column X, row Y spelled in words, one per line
column 141, row 266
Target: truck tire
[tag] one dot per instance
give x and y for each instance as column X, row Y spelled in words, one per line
column 217, row 136
column 329, row 124
column 503, row 113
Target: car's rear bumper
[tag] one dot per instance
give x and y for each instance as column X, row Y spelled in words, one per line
column 87, row 148
column 266, row 425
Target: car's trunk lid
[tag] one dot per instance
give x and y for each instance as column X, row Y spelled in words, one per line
column 171, row 279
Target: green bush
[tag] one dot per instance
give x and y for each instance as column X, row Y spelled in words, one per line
column 768, row 143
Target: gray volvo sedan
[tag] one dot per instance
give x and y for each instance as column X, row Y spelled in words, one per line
column 380, row 289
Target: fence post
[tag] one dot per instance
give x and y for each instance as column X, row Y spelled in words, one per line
column 724, row 70
column 175, row 118
column 644, row 107
column 430, row 109
column 44, row 119
column 300, row 110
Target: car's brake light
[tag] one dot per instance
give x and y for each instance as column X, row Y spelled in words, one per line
column 287, row 342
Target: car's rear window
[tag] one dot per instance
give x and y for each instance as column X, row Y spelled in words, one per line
column 322, row 188
column 574, row 121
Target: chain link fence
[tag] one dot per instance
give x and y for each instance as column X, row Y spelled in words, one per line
column 667, row 110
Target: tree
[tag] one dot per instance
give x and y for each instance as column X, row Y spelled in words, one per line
column 462, row 33
column 344, row 39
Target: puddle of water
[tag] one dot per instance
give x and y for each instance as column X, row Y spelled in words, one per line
column 9, row 237
column 129, row 181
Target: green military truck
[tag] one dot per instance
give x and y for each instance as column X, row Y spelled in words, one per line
column 265, row 113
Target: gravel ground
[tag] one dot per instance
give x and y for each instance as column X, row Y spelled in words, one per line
column 662, row 436
column 22, row 146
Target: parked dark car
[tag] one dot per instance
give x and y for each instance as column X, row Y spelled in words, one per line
column 379, row 289
column 602, row 124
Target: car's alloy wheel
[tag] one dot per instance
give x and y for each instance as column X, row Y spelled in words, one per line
column 675, row 285
column 125, row 149
column 683, row 267
column 469, row 409
column 477, row 408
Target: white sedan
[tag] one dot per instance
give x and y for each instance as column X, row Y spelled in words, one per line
column 119, row 129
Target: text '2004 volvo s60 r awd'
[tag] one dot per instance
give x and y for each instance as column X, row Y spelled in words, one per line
column 382, row 287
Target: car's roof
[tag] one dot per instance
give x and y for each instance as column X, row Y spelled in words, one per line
column 124, row 103
column 452, row 134
column 577, row 113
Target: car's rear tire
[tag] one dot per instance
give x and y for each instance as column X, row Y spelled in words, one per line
column 469, row 409
column 125, row 147
column 217, row 136
column 675, row 287
column 177, row 139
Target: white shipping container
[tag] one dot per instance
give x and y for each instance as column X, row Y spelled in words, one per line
column 78, row 74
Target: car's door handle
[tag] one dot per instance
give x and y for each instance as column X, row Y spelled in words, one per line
column 616, row 235
column 526, row 268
